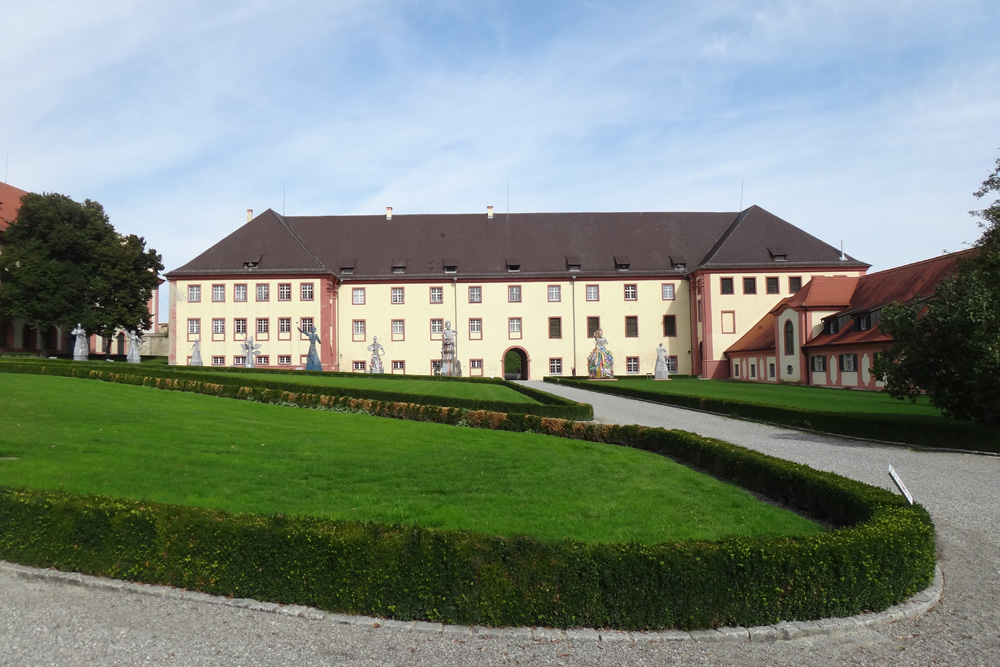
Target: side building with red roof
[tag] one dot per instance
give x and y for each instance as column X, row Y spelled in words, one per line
column 828, row 334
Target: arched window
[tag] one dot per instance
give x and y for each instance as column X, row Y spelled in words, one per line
column 789, row 338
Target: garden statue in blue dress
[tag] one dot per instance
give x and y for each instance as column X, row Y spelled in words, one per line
column 600, row 363
column 312, row 361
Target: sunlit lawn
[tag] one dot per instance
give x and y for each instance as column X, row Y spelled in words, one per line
column 92, row 437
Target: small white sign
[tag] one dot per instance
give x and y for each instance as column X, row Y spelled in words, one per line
column 899, row 485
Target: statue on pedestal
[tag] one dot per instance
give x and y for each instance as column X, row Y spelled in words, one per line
column 134, row 355
column 250, row 349
column 377, row 351
column 196, row 353
column 81, row 349
column 661, row 372
column 312, row 361
column 450, row 366
column 600, row 363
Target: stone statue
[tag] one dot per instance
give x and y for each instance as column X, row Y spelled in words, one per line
column 250, row 349
column 377, row 351
column 600, row 363
column 661, row 372
column 449, row 364
column 134, row 355
column 81, row 349
column 196, row 353
column 312, row 361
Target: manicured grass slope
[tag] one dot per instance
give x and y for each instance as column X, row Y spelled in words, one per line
column 124, row 441
column 472, row 390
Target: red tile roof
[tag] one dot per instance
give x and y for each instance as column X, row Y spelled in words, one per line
column 761, row 336
column 10, row 201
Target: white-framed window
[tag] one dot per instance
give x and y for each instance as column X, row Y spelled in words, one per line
column 240, row 292
column 263, row 292
column 306, row 323
column 437, row 295
column 218, row 361
column 240, row 325
column 593, row 293
column 239, row 360
column 284, row 291
column 218, row 325
column 263, row 325
column 631, row 292
column 437, row 326
column 194, row 326
column 672, row 364
column 396, row 295
column 194, row 293
column 399, row 366
column 358, row 327
column 399, row 327
column 555, row 366
column 818, row 363
column 555, row 293
column 848, row 363
column 514, row 325
column 667, row 291
column 358, row 296
column 476, row 363
column 218, row 293
column 359, row 366
column 284, row 360
column 476, row 325
column 306, row 291
column 513, row 293
column 475, row 294
column 632, row 365
column 263, row 360
column 284, row 325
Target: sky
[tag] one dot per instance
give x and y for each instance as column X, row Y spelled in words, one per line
column 867, row 124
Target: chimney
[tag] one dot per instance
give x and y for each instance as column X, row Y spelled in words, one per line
column 388, row 213
column 249, row 214
column 489, row 212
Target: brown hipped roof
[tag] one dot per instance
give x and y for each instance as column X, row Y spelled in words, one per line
column 10, row 202
column 477, row 245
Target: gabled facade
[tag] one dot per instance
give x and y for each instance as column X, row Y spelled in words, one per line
column 828, row 335
column 535, row 284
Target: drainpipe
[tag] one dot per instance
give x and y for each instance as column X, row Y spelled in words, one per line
column 573, row 290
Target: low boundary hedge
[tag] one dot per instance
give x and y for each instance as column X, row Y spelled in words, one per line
column 947, row 434
column 880, row 553
column 232, row 385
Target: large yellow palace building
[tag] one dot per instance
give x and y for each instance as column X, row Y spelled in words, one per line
column 538, row 284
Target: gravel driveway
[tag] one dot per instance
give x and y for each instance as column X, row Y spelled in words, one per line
column 47, row 621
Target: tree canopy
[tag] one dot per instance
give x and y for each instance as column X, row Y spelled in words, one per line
column 64, row 264
column 949, row 346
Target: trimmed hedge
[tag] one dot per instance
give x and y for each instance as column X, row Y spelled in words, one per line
column 881, row 553
column 230, row 385
column 946, row 434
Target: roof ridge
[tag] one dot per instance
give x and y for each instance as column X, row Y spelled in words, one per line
column 737, row 221
column 295, row 235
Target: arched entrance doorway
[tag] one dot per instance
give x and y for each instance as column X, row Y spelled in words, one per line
column 515, row 364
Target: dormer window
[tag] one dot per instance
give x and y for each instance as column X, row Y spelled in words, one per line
column 831, row 326
column 250, row 264
column 513, row 265
column 622, row 263
column 778, row 254
column 399, row 266
column 572, row 263
column 347, row 270
column 450, row 265
column 679, row 266
column 863, row 322
column 678, row 262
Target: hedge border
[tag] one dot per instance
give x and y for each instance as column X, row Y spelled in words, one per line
column 868, row 427
column 229, row 385
column 881, row 553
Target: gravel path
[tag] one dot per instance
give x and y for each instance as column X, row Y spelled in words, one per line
column 50, row 622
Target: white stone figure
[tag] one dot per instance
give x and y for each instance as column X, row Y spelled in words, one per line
column 81, row 349
column 196, row 353
column 375, row 366
column 134, row 355
column 661, row 372
column 449, row 365
column 250, row 349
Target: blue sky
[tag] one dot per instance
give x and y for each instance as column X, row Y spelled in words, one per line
column 867, row 123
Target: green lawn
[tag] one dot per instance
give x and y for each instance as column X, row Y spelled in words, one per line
column 423, row 387
column 142, row 443
column 793, row 396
